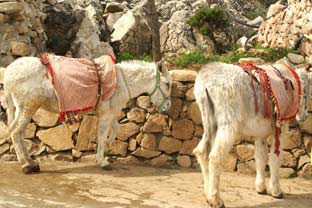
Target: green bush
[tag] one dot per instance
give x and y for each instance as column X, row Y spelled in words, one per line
column 267, row 54
column 125, row 56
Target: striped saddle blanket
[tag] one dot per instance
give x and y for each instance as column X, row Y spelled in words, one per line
column 80, row 83
column 279, row 83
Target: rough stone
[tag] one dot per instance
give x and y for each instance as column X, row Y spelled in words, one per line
column 119, row 148
column 20, row 48
column 190, row 95
column 245, row 152
column 287, row 160
column 188, row 146
column 183, row 75
column 178, row 89
column 161, row 161
column 169, row 145
column 127, row 130
column 30, row 131
column 87, row 135
column 58, row 138
column 175, row 109
column 149, row 142
column 198, row 131
column 10, row 7
column 247, row 168
column 155, row 123
column 295, row 58
column 229, row 164
column 303, row 160
column 182, row 129
column 88, row 158
column 252, row 60
column 145, row 153
column 286, row 172
column 61, row 157
column 8, row 157
column 113, row 7
column 129, row 160
column 76, row 153
column 306, row 171
column 4, row 148
column 3, row 129
column 292, row 140
column 307, row 140
column 2, row 70
column 136, row 115
column 132, row 145
column 184, row 161
column 45, row 118
column 194, row 113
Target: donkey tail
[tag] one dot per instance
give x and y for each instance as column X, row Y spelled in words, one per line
column 207, row 109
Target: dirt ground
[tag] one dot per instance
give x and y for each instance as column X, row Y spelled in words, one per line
column 83, row 185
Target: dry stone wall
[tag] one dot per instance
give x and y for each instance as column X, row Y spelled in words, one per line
column 147, row 137
column 286, row 26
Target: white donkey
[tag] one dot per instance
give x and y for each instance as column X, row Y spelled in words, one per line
column 226, row 102
column 27, row 88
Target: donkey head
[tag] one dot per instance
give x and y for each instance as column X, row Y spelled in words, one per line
column 305, row 80
column 160, row 95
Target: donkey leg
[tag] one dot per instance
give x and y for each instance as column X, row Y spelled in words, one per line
column 274, row 163
column 18, row 133
column 201, row 153
column 261, row 157
column 222, row 145
column 104, row 125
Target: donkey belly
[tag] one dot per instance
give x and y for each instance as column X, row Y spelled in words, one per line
column 256, row 126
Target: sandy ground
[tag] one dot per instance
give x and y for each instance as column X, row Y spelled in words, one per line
column 83, row 185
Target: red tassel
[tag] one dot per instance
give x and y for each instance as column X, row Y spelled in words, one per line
column 277, row 140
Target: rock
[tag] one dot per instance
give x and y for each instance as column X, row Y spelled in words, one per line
column 35, row 148
column 136, row 115
column 287, row 160
column 258, row 61
column 178, row 89
column 175, row 109
column 132, row 144
column 190, row 95
column 2, row 70
column 306, row 171
column 292, row 140
column 188, row 146
column 298, row 152
column 198, row 131
column 127, row 130
column 184, row 161
column 295, row 58
column 245, row 152
column 129, row 160
column 141, row 152
column 61, row 157
column 112, row 19
column 149, row 142
column 8, row 157
column 76, row 153
column 183, row 75
column 113, row 7
column 194, row 113
column 182, row 129
column 229, row 163
column 307, row 140
column 4, row 148
column 58, row 138
column 161, row 161
column 155, row 123
column 20, row 48
column 143, row 102
column 169, row 145
column 88, row 158
column 45, row 118
column 247, row 168
column 303, row 160
column 119, row 148
column 10, row 7
column 87, row 135
column 74, row 127
column 3, row 129
column 30, row 131
column 286, row 172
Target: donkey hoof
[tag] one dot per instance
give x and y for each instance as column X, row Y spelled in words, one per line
column 218, row 205
column 31, row 169
column 264, row 192
column 279, row 196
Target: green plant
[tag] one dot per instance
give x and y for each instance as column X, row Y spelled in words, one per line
column 126, row 56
